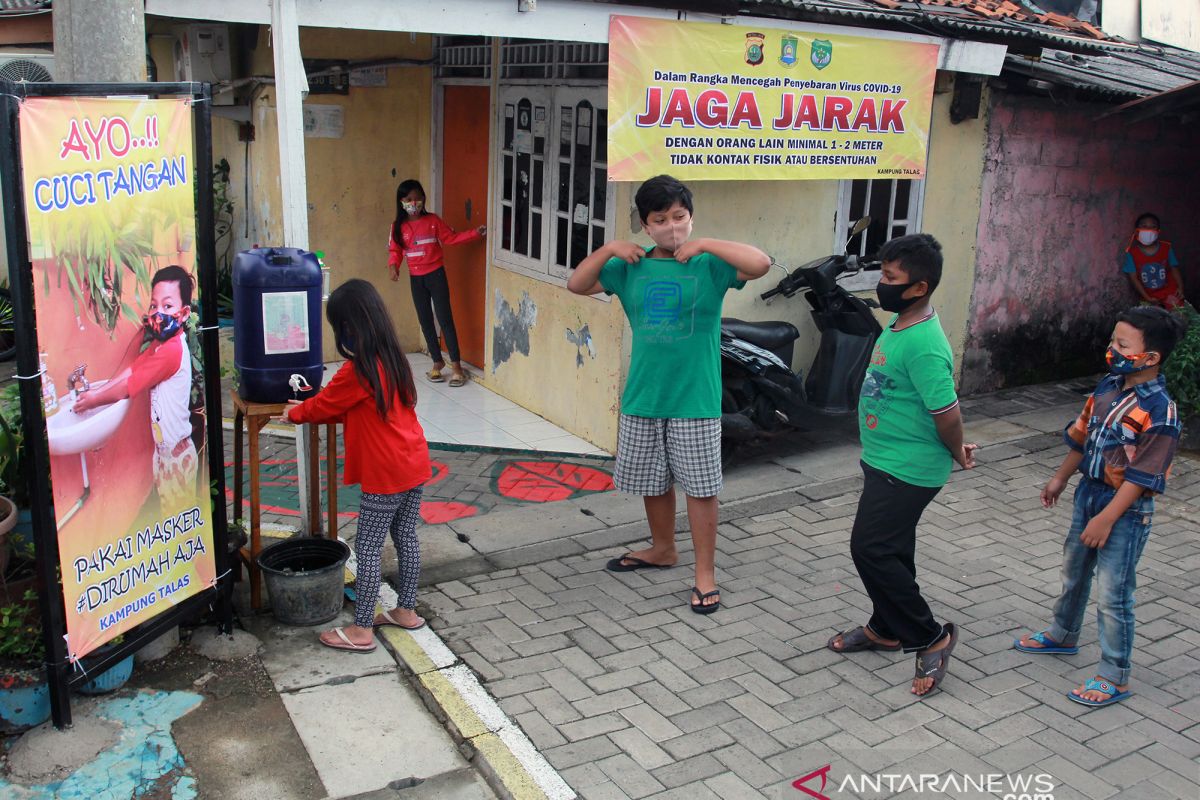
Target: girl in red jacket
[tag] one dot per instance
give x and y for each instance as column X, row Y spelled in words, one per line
column 374, row 398
column 417, row 237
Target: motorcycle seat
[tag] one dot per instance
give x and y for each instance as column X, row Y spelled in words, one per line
column 768, row 335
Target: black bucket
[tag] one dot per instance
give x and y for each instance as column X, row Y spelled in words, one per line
column 305, row 579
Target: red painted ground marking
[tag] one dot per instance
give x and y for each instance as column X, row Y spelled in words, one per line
column 436, row 512
column 549, row 481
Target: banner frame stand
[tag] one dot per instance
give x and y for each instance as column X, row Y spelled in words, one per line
column 60, row 675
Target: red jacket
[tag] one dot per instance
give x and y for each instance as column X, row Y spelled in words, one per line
column 423, row 238
column 386, row 457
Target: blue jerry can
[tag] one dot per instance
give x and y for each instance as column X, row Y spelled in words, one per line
column 276, row 321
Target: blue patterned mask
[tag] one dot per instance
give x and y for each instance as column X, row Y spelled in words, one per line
column 162, row 326
column 1124, row 365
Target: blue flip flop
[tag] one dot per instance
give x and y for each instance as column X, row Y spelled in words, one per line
column 1115, row 695
column 1049, row 646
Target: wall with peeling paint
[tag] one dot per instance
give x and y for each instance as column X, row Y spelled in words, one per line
column 541, row 359
column 1061, row 190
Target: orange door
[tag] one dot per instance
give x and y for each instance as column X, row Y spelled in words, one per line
column 465, row 140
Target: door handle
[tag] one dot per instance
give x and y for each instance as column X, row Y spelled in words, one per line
column 467, row 206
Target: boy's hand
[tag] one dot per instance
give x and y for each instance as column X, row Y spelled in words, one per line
column 86, row 401
column 1054, row 487
column 689, row 249
column 628, row 252
column 1097, row 531
column 966, row 459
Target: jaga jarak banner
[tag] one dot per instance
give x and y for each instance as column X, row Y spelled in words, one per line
column 703, row 101
column 109, row 192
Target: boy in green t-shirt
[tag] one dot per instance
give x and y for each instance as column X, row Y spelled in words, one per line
column 670, row 425
column 912, row 433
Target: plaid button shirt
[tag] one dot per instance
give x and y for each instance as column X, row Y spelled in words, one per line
column 1127, row 434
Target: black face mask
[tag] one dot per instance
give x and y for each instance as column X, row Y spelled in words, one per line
column 890, row 299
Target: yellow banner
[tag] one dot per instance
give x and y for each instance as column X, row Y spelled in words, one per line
column 109, row 194
column 703, row 101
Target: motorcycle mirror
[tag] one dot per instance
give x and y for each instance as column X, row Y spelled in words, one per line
column 860, row 226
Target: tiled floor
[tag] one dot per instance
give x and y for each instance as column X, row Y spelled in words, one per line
column 475, row 416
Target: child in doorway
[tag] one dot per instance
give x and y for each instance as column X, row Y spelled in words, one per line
column 1152, row 266
column 164, row 369
column 417, row 237
column 1122, row 443
column 911, row 429
column 670, row 423
column 374, row 398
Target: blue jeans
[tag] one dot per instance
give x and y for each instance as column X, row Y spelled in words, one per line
column 1116, row 566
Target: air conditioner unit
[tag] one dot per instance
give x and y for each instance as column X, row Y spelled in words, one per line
column 202, row 54
column 25, row 66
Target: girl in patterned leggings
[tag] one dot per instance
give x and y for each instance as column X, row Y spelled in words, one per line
column 374, row 398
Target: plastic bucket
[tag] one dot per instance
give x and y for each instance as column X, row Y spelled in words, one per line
column 111, row 679
column 305, row 579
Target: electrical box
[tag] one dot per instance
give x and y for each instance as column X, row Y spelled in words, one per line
column 202, row 54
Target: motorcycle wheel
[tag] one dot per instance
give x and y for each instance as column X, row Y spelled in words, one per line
column 729, row 449
column 8, row 329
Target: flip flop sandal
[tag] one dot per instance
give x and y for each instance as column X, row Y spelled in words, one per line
column 458, row 379
column 619, row 565
column 387, row 615
column 1115, row 695
column 856, row 640
column 699, row 607
column 435, row 375
column 933, row 665
column 346, row 644
column 1048, row 646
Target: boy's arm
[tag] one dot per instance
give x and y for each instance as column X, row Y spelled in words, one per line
column 1054, row 487
column 748, row 260
column 1098, row 529
column 1137, row 287
column 586, row 277
column 949, row 426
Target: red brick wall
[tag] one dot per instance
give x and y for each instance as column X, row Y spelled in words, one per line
column 1061, row 189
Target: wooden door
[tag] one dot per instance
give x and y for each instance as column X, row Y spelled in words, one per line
column 465, row 138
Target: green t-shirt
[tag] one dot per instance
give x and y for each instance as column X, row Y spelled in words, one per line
column 911, row 375
column 675, row 312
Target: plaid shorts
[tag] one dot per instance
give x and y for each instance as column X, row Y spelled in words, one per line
column 652, row 453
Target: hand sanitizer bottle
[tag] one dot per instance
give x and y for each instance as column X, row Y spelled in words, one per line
column 49, row 393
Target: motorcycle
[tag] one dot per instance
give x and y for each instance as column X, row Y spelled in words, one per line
column 760, row 394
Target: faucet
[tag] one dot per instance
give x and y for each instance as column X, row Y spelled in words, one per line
column 77, row 382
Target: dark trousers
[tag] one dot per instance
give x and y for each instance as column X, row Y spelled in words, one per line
column 883, row 544
column 433, row 289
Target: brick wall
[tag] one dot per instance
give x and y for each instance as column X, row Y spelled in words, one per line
column 1060, row 193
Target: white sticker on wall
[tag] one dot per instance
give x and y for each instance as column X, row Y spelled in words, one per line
column 285, row 323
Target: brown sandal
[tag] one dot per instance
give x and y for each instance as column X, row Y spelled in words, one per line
column 435, row 375
column 458, row 379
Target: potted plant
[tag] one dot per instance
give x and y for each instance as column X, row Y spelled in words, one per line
column 24, row 696
column 1182, row 372
column 12, row 482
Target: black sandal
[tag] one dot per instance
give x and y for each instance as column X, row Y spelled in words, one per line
column 933, row 664
column 619, row 565
column 856, row 640
column 700, row 607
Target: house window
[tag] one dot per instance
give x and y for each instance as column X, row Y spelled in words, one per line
column 554, row 197
column 895, row 210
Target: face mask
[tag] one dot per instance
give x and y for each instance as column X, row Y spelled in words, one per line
column 1124, row 365
column 412, row 209
column 890, row 299
column 670, row 236
column 162, row 326
column 1147, row 236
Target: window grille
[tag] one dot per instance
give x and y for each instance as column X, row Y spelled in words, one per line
column 895, row 210
column 521, row 59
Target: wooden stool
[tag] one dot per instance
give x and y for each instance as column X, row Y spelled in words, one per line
column 254, row 416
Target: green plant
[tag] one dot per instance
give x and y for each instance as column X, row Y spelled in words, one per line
column 12, row 446
column 1182, row 369
column 223, row 231
column 21, row 633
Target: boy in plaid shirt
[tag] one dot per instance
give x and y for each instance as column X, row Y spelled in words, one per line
column 1122, row 444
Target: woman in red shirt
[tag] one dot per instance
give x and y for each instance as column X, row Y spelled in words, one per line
column 374, row 398
column 417, row 237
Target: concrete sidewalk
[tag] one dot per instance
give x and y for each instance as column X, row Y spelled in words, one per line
column 628, row 694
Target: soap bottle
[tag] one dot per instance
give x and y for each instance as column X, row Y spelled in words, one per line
column 320, row 254
column 49, row 393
